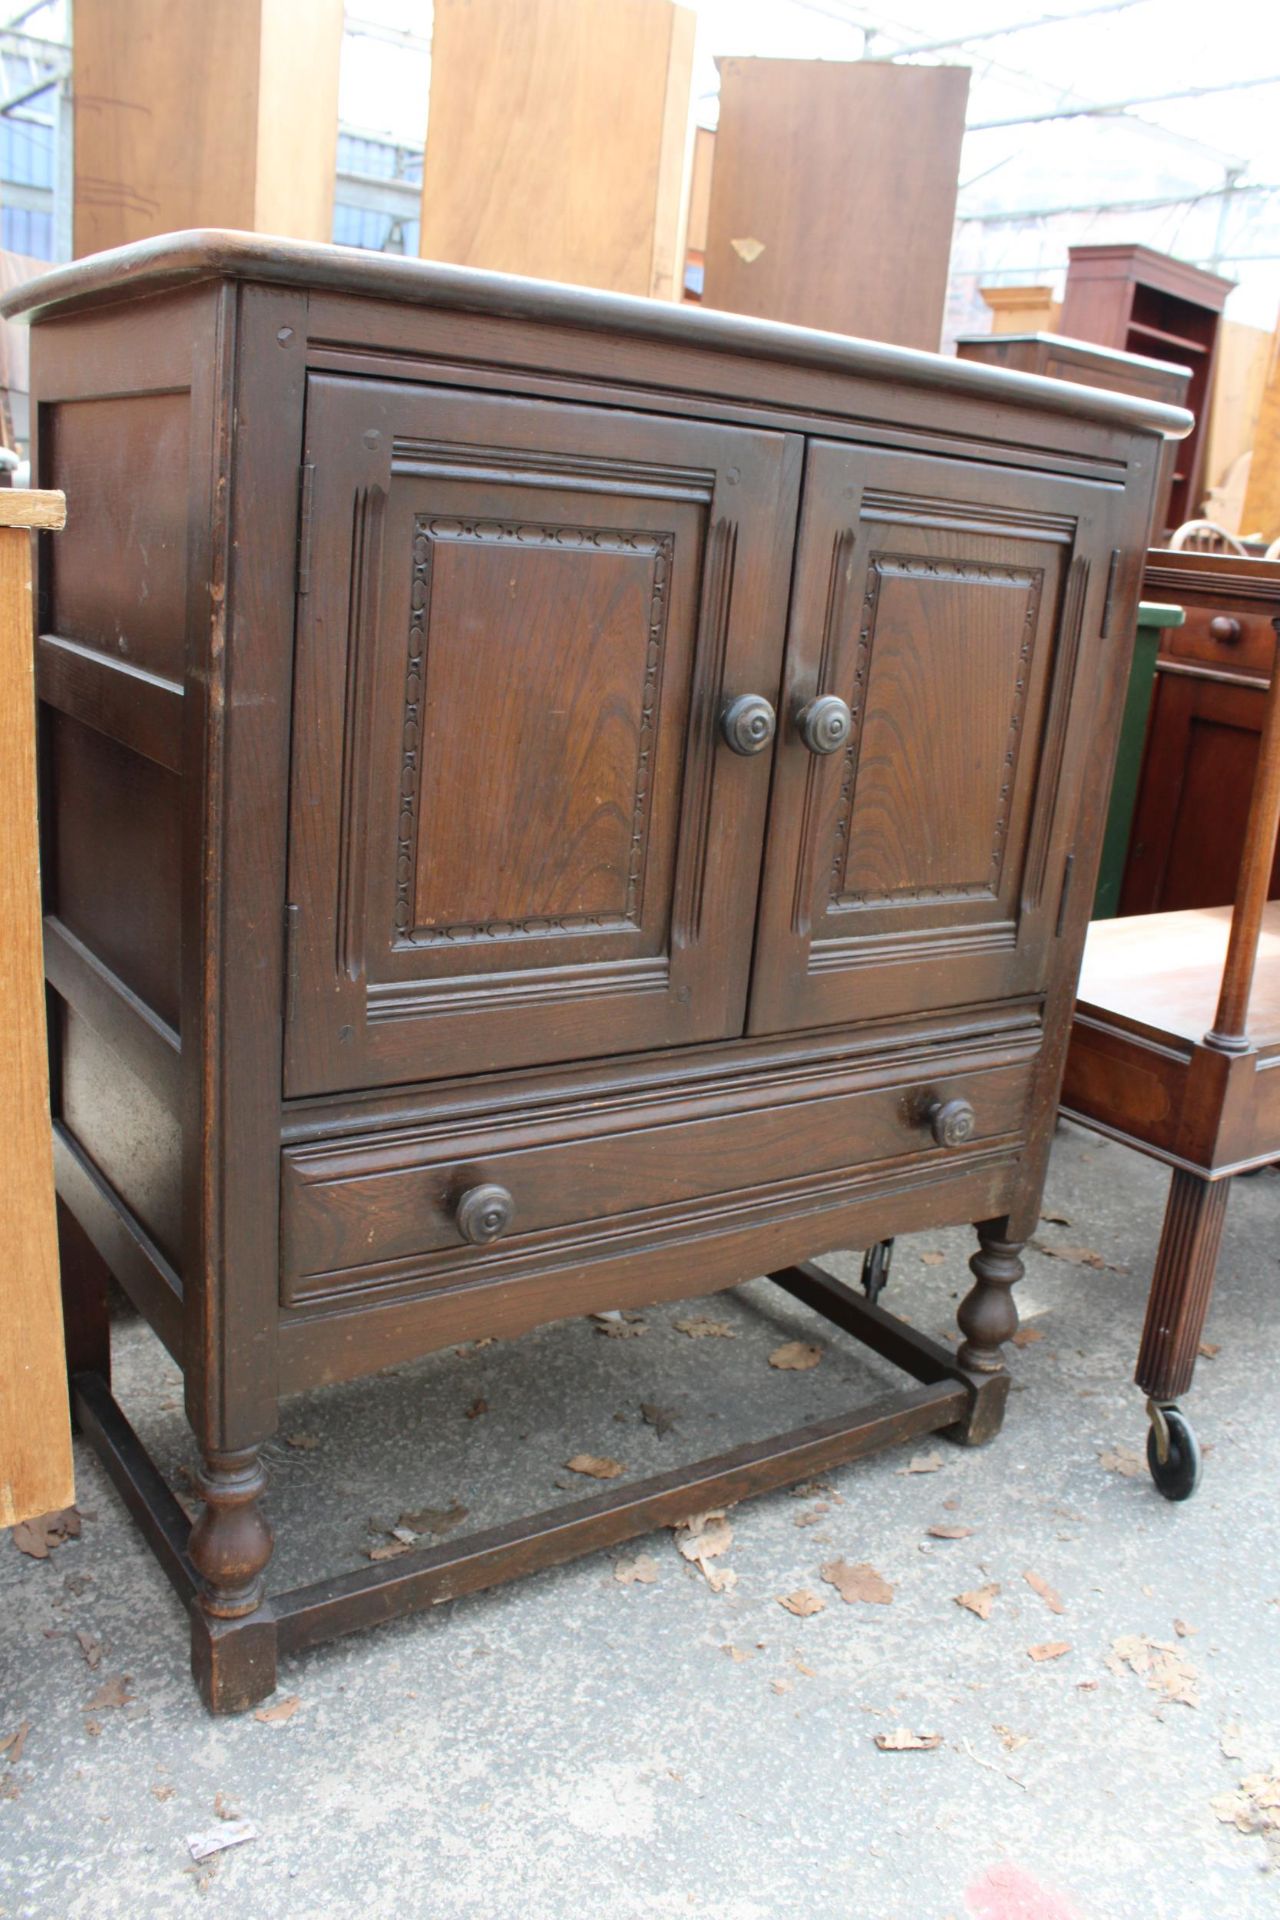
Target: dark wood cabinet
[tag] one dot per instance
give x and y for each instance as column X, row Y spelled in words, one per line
column 553, row 803
column 1143, row 302
column 1203, row 731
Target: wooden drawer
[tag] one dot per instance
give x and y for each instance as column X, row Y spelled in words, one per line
column 1248, row 648
column 375, row 1215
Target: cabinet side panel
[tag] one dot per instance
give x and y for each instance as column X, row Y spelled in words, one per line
column 118, row 581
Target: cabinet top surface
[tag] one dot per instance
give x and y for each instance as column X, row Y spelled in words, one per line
column 177, row 259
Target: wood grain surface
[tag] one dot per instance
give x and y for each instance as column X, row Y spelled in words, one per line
column 35, row 1431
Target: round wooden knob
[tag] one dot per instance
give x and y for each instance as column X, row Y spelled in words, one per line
column 951, row 1122
column 484, row 1213
column 1225, row 627
column 825, row 724
column 748, row 723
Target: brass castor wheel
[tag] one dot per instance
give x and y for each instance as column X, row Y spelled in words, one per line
column 1173, row 1453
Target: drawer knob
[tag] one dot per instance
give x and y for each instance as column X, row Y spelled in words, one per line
column 748, row 723
column 484, row 1213
column 825, row 724
column 1225, row 627
column 951, row 1122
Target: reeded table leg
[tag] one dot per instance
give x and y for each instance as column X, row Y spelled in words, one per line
column 1181, row 1287
column 233, row 1635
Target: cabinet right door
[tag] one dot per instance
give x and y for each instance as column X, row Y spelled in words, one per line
column 955, row 609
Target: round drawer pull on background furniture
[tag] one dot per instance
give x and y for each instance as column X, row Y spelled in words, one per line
column 484, row 1213
column 951, row 1122
column 1225, row 627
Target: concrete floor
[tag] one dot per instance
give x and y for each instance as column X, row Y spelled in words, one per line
column 576, row 1746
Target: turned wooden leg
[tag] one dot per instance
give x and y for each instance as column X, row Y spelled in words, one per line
column 86, row 1279
column 1181, row 1284
column 233, row 1634
column 987, row 1315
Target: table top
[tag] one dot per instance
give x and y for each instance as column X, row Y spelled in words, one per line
column 1160, row 972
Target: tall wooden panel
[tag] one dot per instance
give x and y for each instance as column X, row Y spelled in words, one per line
column 1262, row 501
column 559, row 140
column 204, row 113
column 35, row 1430
column 833, row 194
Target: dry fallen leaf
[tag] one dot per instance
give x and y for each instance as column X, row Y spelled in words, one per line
column 739, row 1654
column 389, row 1549
column 1209, row 1349
column 1010, row 1740
column 949, row 1533
column 1051, row 1599
column 1078, row 1257
column 620, row 1326
column 642, row 1571
column 90, row 1648
column 703, row 1538
column 1054, row 1220
column 595, row 1466
column 164, row 1793
column 433, row 1519
column 1049, row 1650
column 1184, row 1629
column 796, row 1356
column 858, row 1583
column 802, row 1603
column 301, row 1442
column 279, row 1710
column 1123, row 1460
column 39, row 1536
column 814, row 1515
column 933, row 1258
column 477, row 1407
column 1159, row 1664
column 978, row 1600
column 922, row 1463
column 114, row 1692
column 661, row 1419
column 701, row 1328
column 1026, row 1337
column 14, row 1742
column 1253, row 1806
column 902, row 1740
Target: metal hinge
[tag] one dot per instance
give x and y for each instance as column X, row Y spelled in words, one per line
column 306, row 497
column 1108, row 605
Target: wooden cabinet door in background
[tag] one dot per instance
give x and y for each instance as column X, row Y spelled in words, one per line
column 518, row 833
column 920, row 865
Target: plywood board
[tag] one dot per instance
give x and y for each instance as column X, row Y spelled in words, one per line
column 559, row 140
column 833, row 194
column 204, row 113
column 35, row 1429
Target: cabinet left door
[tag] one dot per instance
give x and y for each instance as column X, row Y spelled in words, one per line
column 517, row 832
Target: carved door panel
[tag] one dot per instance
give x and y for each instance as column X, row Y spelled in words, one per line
column 919, row 863
column 517, row 832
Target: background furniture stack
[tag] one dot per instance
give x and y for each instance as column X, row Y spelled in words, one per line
column 1201, row 742
column 1143, row 302
column 791, row 669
